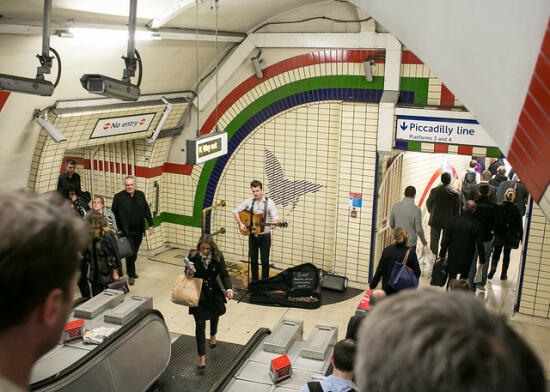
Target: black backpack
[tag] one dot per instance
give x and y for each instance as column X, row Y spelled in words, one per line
column 468, row 185
column 106, row 259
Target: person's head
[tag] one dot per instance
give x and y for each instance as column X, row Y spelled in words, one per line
column 493, row 160
column 410, row 192
column 484, row 190
column 445, row 178
column 344, row 355
column 469, row 207
column 486, row 175
column 400, row 236
column 510, row 195
column 425, row 340
column 98, row 223
column 207, row 245
column 257, row 189
column 98, row 203
column 71, row 192
column 501, row 170
column 130, row 185
column 70, row 166
column 376, row 296
column 473, row 164
column 40, row 243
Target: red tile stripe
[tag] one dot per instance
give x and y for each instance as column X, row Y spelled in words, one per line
column 319, row 57
column 3, row 98
column 447, row 97
column 530, row 150
column 441, row 148
column 141, row 171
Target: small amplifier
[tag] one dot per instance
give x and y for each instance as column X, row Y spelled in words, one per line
column 334, row 282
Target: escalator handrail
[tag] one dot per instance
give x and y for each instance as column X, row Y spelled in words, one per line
column 96, row 351
column 241, row 357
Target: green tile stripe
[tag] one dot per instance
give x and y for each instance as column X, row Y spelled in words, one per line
column 418, row 85
column 493, row 152
column 415, row 146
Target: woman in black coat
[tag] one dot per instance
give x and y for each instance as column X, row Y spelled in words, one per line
column 208, row 263
column 508, row 229
column 392, row 254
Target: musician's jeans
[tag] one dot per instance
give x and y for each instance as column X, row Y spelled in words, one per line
column 263, row 244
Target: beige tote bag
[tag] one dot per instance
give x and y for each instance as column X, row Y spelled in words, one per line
column 187, row 291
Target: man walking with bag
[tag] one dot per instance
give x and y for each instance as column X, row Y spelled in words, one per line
column 131, row 210
column 407, row 215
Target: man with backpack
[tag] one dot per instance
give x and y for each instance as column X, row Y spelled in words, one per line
column 341, row 379
column 471, row 178
column 521, row 193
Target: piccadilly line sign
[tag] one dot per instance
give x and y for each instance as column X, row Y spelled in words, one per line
column 442, row 131
column 122, row 125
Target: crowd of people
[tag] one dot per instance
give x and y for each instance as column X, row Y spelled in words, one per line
column 471, row 225
column 415, row 340
column 101, row 261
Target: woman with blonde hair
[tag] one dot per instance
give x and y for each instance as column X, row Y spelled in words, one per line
column 508, row 233
column 98, row 205
column 395, row 253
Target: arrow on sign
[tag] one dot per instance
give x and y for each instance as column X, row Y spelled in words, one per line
column 403, row 126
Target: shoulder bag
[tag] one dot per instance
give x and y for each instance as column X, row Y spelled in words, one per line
column 402, row 276
column 124, row 247
column 187, row 291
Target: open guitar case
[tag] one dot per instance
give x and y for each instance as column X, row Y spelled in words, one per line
column 297, row 287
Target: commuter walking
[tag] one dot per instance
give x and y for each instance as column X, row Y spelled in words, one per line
column 407, row 215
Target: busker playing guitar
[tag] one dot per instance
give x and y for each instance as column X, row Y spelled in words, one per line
column 258, row 205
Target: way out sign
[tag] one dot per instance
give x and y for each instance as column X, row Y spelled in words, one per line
column 442, row 131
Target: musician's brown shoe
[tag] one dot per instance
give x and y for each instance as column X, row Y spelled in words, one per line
column 131, row 281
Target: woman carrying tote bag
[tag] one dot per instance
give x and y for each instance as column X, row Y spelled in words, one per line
column 208, row 263
column 392, row 254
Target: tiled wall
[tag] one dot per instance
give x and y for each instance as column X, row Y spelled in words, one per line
column 535, row 294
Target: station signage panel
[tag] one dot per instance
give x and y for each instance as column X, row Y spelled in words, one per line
column 442, row 131
column 122, row 125
column 205, row 148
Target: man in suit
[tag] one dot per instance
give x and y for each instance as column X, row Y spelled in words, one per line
column 443, row 203
column 521, row 193
column 131, row 210
column 485, row 178
column 462, row 236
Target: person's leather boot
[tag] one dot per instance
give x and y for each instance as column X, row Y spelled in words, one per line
column 131, row 281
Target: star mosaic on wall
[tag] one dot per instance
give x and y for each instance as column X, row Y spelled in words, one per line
column 282, row 190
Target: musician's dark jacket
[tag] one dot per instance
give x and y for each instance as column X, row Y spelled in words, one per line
column 212, row 300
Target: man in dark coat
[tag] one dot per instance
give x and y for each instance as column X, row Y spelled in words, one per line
column 495, row 164
column 485, row 178
column 69, row 180
column 462, row 236
column 131, row 210
column 443, row 203
column 485, row 213
column 499, row 178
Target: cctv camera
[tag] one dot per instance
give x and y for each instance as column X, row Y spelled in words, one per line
column 42, row 119
column 110, row 87
column 26, row 85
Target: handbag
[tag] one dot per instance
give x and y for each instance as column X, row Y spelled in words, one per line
column 402, row 276
column 440, row 273
column 124, row 247
column 187, row 291
column 121, row 285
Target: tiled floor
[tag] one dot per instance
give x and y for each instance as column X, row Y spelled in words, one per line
column 242, row 320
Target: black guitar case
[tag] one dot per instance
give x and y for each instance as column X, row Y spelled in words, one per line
column 294, row 287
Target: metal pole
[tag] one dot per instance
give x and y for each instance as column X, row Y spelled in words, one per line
column 46, row 29
column 132, row 29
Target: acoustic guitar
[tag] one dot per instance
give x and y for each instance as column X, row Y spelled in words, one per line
column 255, row 223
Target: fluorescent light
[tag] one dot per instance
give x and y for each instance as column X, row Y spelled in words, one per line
column 93, row 34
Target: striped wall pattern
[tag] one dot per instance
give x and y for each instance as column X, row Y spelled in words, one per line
column 490, row 152
column 529, row 152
